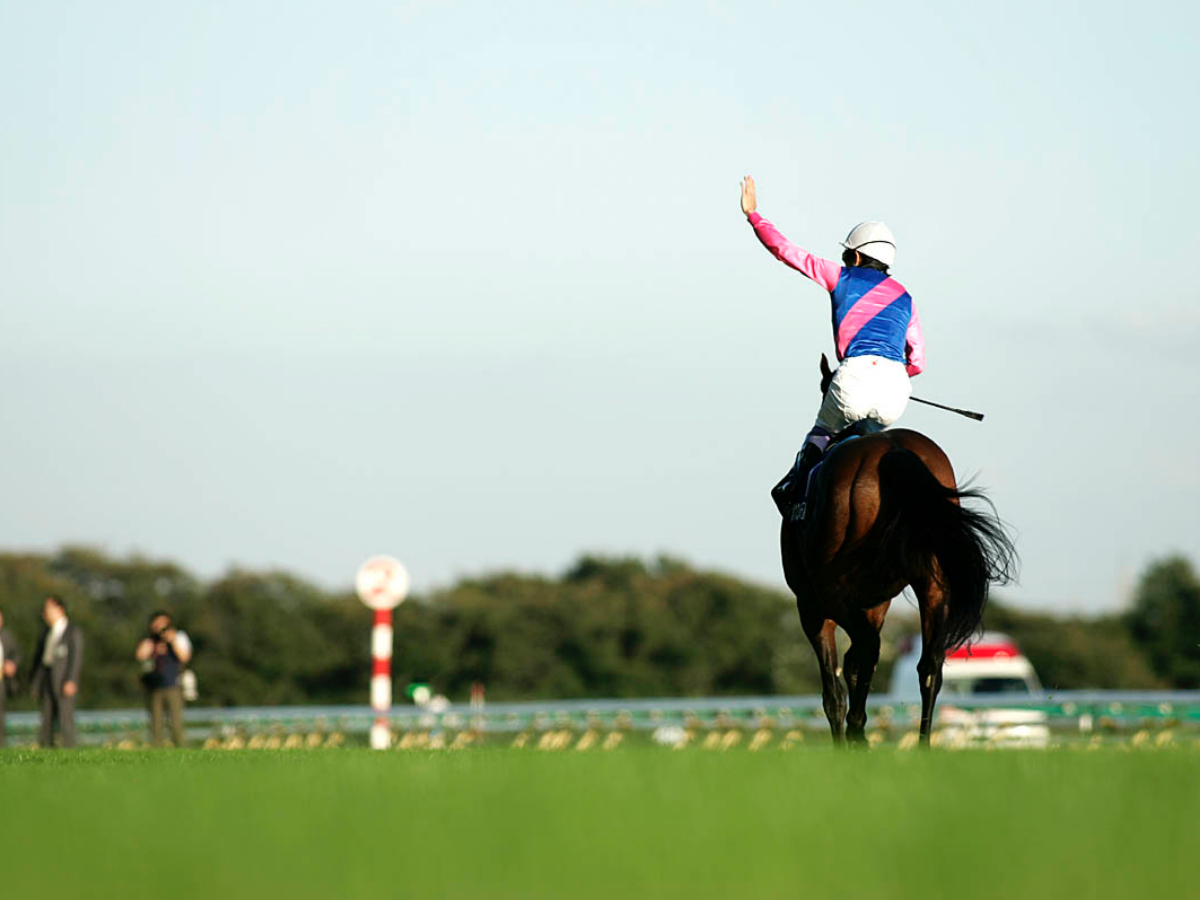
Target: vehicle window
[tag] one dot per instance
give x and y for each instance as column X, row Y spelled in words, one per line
column 1000, row 686
column 961, row 687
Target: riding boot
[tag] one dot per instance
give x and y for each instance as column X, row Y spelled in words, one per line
column 791, row 489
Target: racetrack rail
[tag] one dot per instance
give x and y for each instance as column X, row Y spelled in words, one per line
column 1065, row 711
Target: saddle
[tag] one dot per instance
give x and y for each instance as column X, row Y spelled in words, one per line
column 792, row 494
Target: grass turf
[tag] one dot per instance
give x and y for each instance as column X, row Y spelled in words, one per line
column 638, row 822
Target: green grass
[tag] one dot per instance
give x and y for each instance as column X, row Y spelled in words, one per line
column 640, row 822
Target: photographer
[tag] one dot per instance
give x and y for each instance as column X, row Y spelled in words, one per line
column 164, row 653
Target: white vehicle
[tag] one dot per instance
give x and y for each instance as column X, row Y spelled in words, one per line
column 990, row 667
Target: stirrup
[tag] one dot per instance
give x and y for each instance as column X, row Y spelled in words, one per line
column 784, row 490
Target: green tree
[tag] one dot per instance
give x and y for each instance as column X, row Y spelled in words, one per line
column 1165, row 621
column 607, row 627
column 1076, row 653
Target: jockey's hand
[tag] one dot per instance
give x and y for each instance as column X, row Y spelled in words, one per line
column 749, row 203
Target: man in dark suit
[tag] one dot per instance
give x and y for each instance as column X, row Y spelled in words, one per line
column 56, row 668
column 10, row 658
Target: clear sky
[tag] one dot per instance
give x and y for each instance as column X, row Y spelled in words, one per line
column 293, row 283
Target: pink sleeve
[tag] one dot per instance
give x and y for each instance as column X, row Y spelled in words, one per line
column 916, row 346
column 822, row 271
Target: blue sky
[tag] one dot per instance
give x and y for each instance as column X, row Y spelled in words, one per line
column 291, row 284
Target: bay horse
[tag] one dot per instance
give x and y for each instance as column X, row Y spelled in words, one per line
column 885, row 514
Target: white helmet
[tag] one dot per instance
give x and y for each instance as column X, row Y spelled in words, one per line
column 873, row 239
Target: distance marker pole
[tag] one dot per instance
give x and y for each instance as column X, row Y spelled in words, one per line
column 382, row 585
column 381, row 679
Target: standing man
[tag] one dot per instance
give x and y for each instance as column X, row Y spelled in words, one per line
column 10, row 658
column 56, row 668
column 164, row 653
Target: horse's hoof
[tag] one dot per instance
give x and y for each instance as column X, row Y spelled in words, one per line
column 858, row 741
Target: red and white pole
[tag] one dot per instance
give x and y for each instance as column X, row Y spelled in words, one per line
column 381, row 678
column 382, row 584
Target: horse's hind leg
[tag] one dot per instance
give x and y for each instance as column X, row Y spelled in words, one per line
column 822, row 635
column 859, row 665
column 931, row 599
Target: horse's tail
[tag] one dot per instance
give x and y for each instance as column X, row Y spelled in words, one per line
column 929, row 534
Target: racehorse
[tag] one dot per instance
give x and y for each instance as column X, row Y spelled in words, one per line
column 885, row 514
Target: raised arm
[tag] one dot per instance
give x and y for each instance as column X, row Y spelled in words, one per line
column 822, row 271
column 915, row 346
column 181, row 644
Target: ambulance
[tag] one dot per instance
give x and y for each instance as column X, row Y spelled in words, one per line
column 991, row 667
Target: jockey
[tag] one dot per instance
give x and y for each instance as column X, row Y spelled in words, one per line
column 877, row 332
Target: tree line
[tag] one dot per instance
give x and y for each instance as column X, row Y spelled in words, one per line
column 606, row 627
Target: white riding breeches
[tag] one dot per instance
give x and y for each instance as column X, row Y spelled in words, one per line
column 865, row 387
